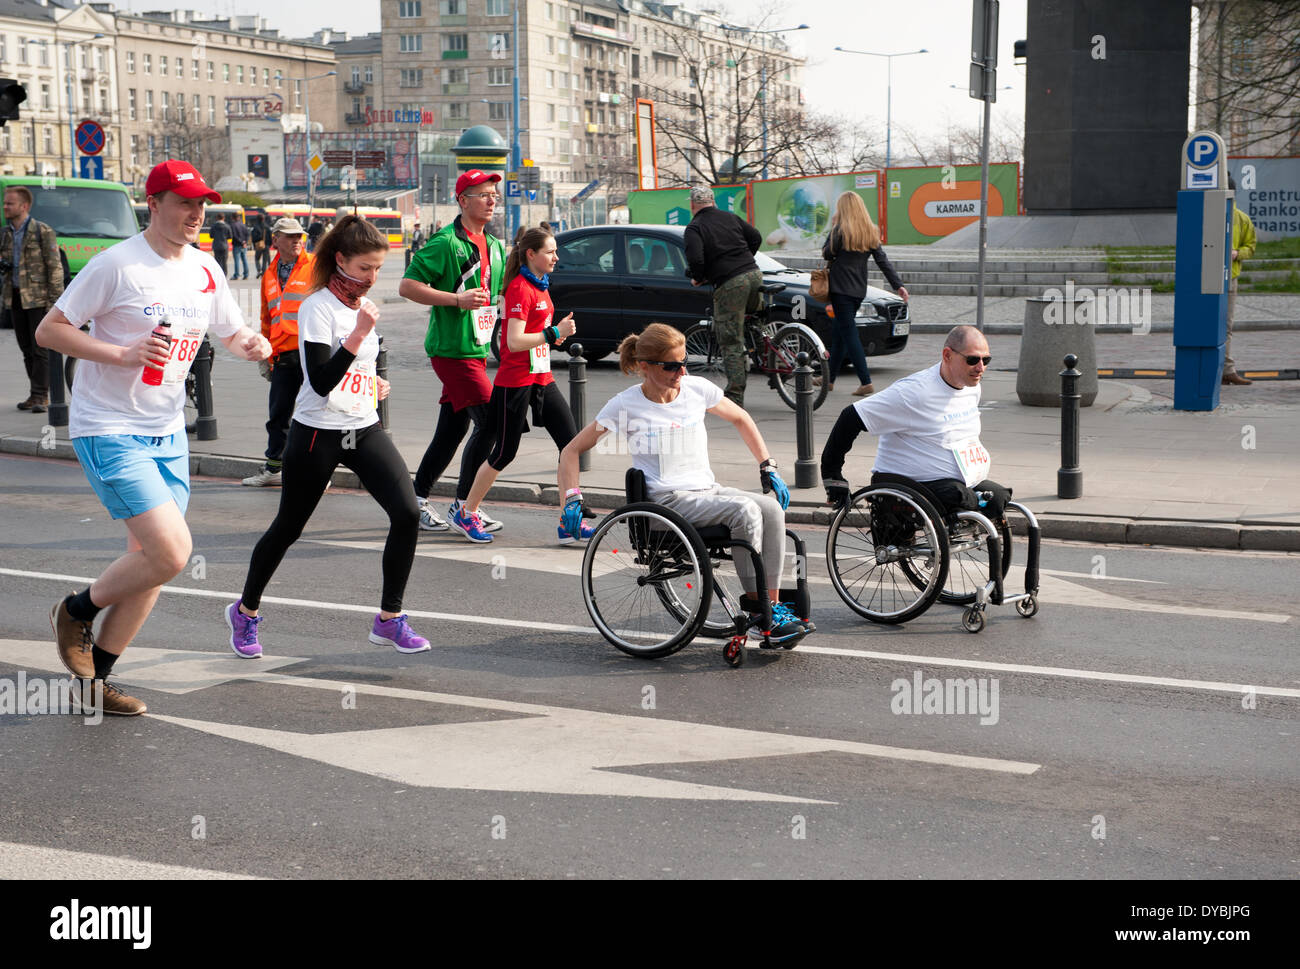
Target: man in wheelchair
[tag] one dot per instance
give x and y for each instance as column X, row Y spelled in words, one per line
column 662, row 422
column 929, row 427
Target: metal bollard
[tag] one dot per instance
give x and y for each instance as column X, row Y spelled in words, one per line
column 1069, row 477
column 806, row 471
column 381, row 372
column 58, row 400
column 578, row 396
column 206, row 426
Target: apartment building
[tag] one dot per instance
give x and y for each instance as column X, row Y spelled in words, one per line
column 69, row 75
column 450, row 64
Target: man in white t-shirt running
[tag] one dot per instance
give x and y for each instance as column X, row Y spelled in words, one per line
column 929, row 427
column 129, row 431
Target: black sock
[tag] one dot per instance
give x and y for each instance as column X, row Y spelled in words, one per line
column 104, row 661
column 80, row 607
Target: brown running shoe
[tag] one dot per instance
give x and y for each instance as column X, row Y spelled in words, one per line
column 864, row 390
column 1236, row 380
column 75, row 639
column 104, row 696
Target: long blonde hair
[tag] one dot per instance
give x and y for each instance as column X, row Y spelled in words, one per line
column 857, row 232
column 651, row 343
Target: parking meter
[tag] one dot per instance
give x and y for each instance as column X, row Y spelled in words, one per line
column 1201, row 265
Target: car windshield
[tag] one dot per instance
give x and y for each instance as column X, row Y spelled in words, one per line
column 86, row 213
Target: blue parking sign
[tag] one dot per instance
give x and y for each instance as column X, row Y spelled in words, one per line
column 92, row 166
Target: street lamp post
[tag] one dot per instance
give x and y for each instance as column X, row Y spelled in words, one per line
column 889, row 90
column 762, row 93
column 67, row 75
column 306, row 106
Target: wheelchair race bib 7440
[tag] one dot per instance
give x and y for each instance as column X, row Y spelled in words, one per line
column 185, row 348
column 358, row 392
column 973, row 460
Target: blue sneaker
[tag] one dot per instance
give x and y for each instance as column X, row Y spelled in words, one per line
column 565, row 537
column 786, row 630
column 397, row 633
column 467, row 523
column 243, row 632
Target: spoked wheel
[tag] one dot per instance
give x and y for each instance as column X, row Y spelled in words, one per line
column 886, row 555
column 703, row 358
column 791, row 340
column 968, row 562
column 646, row 580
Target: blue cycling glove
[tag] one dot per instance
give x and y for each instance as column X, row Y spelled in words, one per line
column 572, row 515
column 772, row 483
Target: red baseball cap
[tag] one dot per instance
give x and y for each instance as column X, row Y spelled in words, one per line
column 474, row 177
column 180, row 177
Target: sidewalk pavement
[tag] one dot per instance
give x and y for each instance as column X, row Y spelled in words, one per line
column 1151, row 475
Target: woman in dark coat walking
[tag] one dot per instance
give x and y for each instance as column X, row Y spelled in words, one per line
column 853, row 240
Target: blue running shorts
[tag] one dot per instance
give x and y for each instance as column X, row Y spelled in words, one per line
column 133, row 474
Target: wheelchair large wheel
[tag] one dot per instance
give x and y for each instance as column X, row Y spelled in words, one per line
column 718, row 623
column 968, row 561
column 878, row 545
column 646, row 580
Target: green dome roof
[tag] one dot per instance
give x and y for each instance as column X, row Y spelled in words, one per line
column 481, row 138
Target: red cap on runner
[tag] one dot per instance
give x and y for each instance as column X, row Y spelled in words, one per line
column 474, row 177
column 180, row 177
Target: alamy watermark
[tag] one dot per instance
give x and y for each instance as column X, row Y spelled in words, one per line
column 951, row 696
column 26, row 696
column 1098, row 307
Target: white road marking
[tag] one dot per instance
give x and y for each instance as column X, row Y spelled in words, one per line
column 20, row 861
column 532, row 625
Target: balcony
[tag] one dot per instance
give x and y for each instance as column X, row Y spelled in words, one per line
column 603, row 33
column 356, row 117
column 356, row 86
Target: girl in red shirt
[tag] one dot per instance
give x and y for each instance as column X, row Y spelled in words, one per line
column 524, row 380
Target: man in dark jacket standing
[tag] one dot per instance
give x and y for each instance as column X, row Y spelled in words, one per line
column 239, row 239
column 29, row 252
column 720, row 250
column 220, row 234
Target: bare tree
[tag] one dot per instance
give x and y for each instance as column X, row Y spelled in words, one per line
column 206, row 147
column 1248, row 67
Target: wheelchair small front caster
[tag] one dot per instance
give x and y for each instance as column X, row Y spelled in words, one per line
column 972, row 620
column 734, row 651
column 1027, row 607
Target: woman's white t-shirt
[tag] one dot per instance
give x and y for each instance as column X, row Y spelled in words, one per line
column 322, row 318
column 667, row 442
column 124, row 292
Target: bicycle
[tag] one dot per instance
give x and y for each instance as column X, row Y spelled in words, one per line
column 771, row 346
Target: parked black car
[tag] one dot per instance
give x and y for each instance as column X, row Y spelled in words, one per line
column 616, row 279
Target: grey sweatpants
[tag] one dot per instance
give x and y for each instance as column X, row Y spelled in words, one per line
column 756, row 519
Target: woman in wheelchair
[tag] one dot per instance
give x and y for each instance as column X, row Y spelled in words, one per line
column 662, row 422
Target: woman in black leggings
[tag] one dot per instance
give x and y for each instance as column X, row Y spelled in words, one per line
column 335, row 422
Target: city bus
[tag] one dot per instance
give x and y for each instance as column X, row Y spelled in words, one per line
column 233, row 213
column 387, row 221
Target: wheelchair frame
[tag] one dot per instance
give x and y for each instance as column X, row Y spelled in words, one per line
column 654, row 556
column 906, row 529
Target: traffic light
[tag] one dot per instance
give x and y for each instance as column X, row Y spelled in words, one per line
column 12, row 94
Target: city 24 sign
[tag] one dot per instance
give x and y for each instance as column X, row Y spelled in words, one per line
column 268, row 107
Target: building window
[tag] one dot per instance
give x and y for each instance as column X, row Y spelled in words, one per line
column 266, row 77
column 550, row 45
column 550, row 79
column 457, row 111
column 225, row 73
column 130, row 57
column 162, row 65
column 412, row 43
column 194, row 70
column 180, row 107
column 412, row 77
column 496, row 8
column 297, row 93
column 212, row 110
column 103, row 100
column 45, row 96
column 501, row 75
column 279, row 79
column 550, row 15
column 148, row 63
column 212, row 71
column 563, row 46
column 130, row 104
column 150, row 161
column 4, row 132
column 166, row 105
column 196, row 107
column 239, row 73
column 99, row 59
column 455, row 45
column 564, row 114
column 455, row 80
column 49, row 140
column 451, row 8
column 498, row 110
column 550, row 113
column 44, row 59
column 180, row 67
column 370, row 74
column 148, row 105
column 135, row 148
column 499, row 43
column 356, row 75
column 408, row 8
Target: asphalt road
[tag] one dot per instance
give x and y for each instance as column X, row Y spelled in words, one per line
column 1122, row 740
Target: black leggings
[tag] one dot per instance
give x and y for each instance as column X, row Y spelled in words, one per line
column 509, row 418
column 452, row 425
column 310, row 457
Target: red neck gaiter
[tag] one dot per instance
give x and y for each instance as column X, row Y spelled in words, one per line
column 348, row 289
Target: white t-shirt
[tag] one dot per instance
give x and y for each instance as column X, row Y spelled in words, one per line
column 922, row 421
column 124, row 292
column 667, row 442
column 323, row 318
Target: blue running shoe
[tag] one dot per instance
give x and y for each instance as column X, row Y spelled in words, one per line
column 566, row 537
column 468, row 524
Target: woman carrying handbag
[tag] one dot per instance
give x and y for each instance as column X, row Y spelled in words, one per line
column 853, row 240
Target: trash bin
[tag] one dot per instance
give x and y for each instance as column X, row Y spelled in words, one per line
column 1049, row 333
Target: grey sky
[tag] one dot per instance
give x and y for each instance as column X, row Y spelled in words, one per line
column 848, row 85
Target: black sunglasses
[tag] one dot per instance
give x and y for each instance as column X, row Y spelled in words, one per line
column 971, row 361
column 671, row 366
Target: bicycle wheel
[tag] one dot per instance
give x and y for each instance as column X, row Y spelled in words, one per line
column 791, row 340
column 703, row 358
column 877, row 543
column 642, row 558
